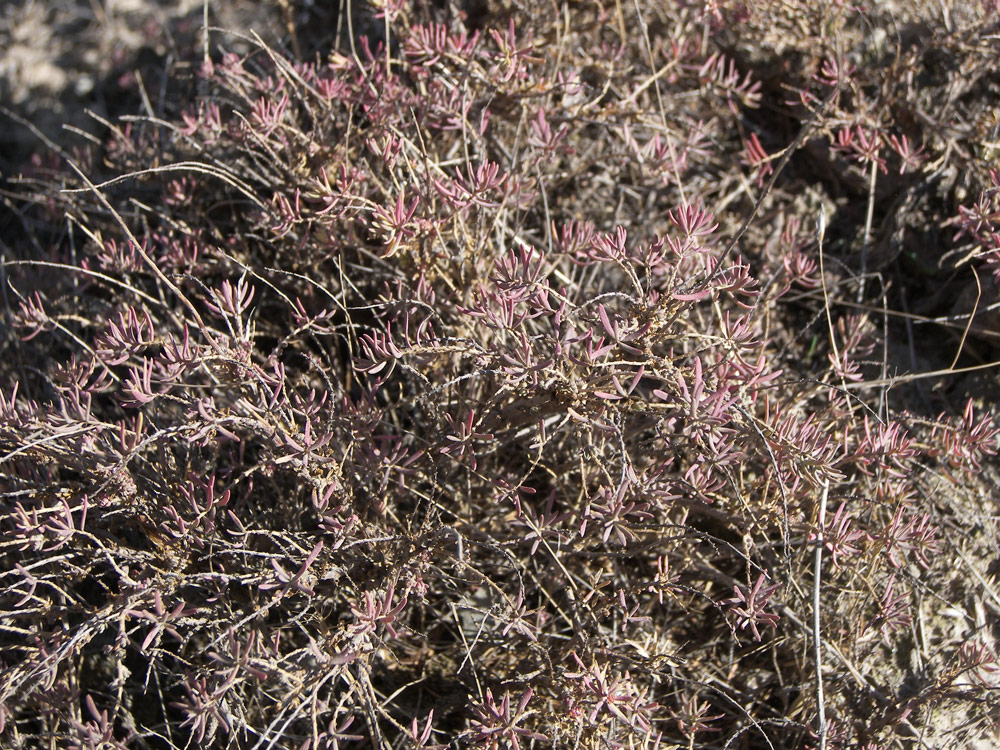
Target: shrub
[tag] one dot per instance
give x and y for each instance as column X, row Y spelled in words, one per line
column 508, row 381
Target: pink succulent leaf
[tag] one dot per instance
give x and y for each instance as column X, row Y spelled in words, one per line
column 749, row 606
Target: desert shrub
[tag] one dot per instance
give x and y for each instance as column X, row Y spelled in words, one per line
column 511, row 379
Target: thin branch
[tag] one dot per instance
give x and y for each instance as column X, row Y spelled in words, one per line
column 817, row 636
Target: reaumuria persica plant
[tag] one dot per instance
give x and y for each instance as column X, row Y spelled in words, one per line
column 490, row 389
